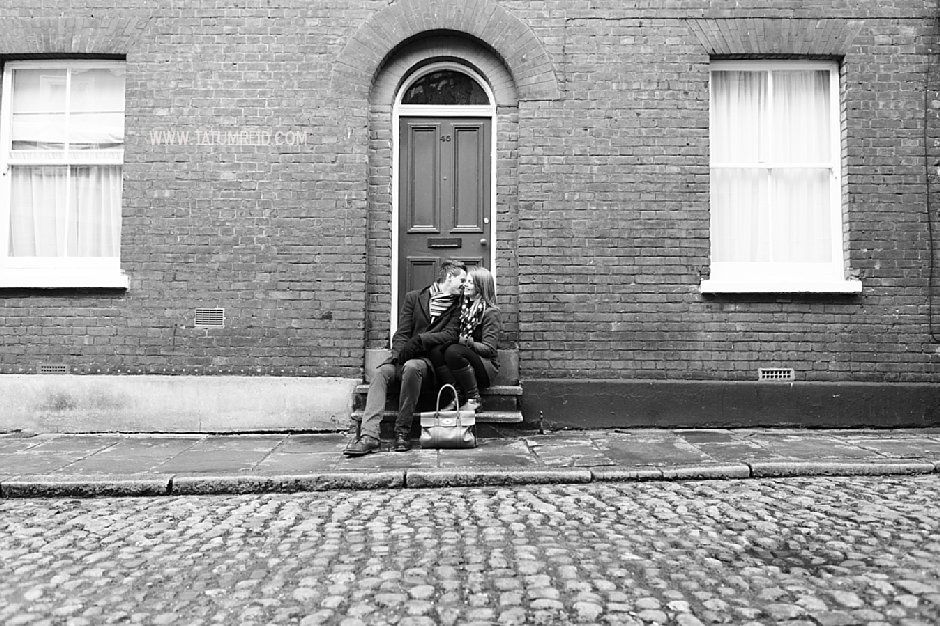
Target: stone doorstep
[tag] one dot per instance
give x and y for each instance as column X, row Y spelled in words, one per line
column 494, row 390
column 483, row 417
column 503, row 402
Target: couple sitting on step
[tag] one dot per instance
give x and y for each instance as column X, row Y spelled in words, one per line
column 448, row 332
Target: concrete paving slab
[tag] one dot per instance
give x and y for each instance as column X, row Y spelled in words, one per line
column 416, row 457
column 306, row 444
column 709, row 435
column 9, row 445
column 85, row 444
column 493, row 476
column 293, row 463
column 22, row 463
column 158, row 442
column 904, row 448
column 114, row 464
column 248, row 443
column 734, row 451
column 838, row 468
column 200, row 485
column 648, row 449
column 132, row 455
column 218, row 461
column 39, row 486
column 567, row 451
column 508, row 453
column 808, row 446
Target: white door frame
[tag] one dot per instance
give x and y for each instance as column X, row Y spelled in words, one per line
column 400, row 110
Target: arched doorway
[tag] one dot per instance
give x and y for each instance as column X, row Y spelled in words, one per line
column 443, row 173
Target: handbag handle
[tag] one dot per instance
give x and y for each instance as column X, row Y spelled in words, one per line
column 437, row 405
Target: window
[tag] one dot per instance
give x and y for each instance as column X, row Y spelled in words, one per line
column 776, row 215
column 445, row 87
column 61, row 151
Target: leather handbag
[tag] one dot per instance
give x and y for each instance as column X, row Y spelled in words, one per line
column 448, row 429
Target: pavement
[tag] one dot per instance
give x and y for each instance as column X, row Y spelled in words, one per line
column 60, row 465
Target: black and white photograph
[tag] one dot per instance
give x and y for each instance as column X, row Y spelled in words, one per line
column 476, row 312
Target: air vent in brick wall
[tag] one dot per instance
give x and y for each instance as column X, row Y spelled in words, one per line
column 53, row 368
column 775, row 374
column 210, row 318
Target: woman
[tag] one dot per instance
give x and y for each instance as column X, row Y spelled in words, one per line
column 471, row 363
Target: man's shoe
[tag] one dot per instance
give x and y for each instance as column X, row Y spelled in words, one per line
column 402, row 444
column 362, row 446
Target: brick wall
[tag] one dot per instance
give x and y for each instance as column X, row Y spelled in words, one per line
column 602, row 185
column 273, row 234
column 614, row 190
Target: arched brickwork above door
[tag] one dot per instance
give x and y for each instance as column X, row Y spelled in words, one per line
column 516, row 44
column 443, row 47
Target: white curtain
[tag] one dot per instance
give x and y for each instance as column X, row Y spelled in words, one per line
column 67, row 210
column 763, row 213
column 60, row 211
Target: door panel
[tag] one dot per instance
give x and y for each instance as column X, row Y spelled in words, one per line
column 444, row 196
column 469, row 185
column 422, row 191
column 421, row 270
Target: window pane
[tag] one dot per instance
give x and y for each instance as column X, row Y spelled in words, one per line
column 94, row 227
column 39, row 91
column 740, row 215
column 99, row 89
column 38, row 131
column 38, row 204
column 738, row 111
column 445, row 87
column 801, row 224
column 38, row 109
column 98, row 131
column 801, row 116
column 54, row 214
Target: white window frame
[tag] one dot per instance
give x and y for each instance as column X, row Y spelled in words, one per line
column 50, row 272
column 780, row 277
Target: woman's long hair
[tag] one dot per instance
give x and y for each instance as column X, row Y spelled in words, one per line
column 483, row 284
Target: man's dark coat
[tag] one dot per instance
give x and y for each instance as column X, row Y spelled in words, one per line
column 415, row 321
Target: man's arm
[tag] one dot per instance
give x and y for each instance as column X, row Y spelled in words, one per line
column 445, row 331
column 405, row 324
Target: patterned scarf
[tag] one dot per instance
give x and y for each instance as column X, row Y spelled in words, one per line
column 439, row 302
column 471, row 314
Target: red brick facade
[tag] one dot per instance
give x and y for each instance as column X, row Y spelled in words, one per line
column 602, row 187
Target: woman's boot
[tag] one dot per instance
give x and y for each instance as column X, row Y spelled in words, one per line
column 467, row 384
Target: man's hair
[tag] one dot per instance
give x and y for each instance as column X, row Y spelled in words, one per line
column 450, row 267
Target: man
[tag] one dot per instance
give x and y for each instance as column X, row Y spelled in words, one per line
column 429, row 317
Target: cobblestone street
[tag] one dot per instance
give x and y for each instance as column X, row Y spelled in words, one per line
column 860, row 550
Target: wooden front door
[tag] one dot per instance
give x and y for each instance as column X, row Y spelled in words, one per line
column 444, row 196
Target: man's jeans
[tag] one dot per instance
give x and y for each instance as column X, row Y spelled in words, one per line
column 411, row 377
